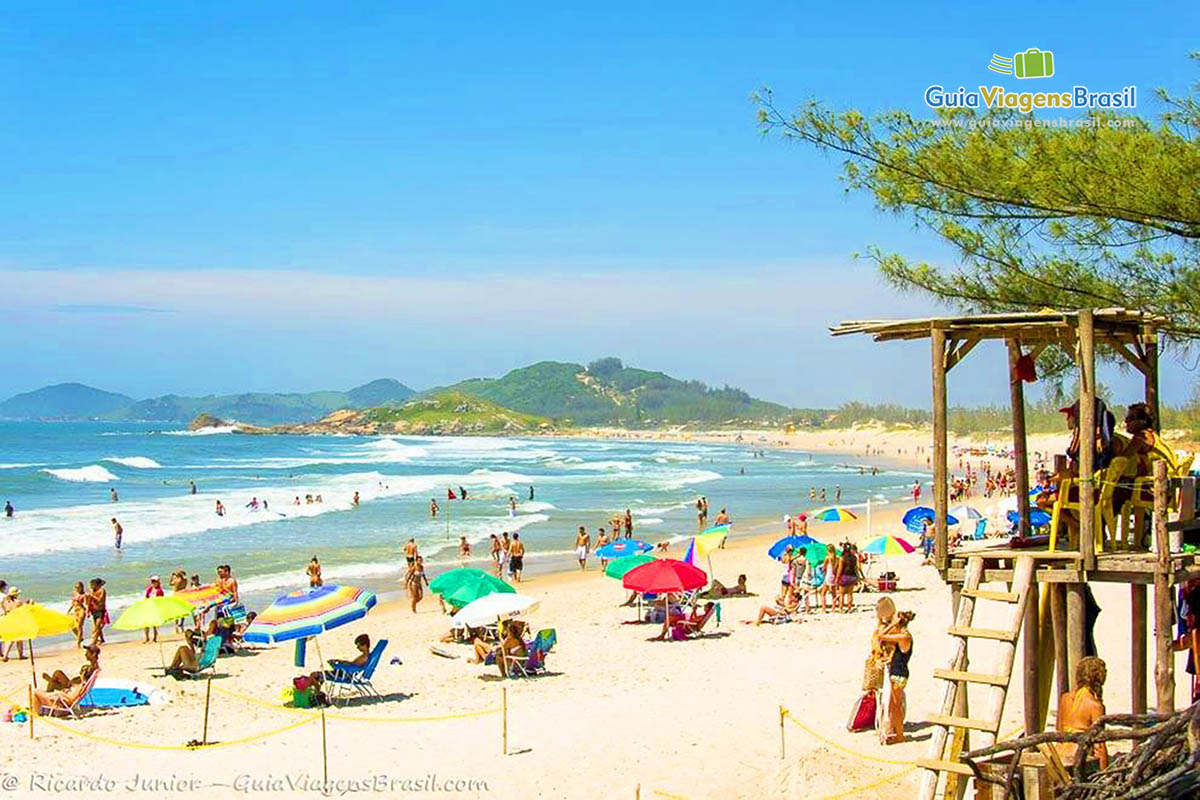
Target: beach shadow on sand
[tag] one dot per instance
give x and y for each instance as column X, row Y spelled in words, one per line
column 359, row 701
column 495, row 677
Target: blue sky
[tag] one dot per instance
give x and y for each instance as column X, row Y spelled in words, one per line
column 291, row 196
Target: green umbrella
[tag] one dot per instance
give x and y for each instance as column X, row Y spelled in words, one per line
column 451, row 579
column 816, row 552
column 150, row 612
column 618, row 568
column 475, row 587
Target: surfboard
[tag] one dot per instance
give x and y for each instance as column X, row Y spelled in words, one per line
column 115, row 693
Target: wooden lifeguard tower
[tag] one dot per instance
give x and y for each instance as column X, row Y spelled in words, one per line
column 1060, row 574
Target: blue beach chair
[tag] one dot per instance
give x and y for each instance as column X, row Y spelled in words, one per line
column 345, row 681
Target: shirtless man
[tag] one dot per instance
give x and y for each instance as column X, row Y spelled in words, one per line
column 410, row 552
column 583, row 543
column 118, row 532
column 601, row 540
column 628, row 524
column 227, row 583
column 516, row 557
column 464, row 549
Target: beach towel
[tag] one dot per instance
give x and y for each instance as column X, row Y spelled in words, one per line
column 862, row 716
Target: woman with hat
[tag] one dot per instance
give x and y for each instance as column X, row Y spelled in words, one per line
column 12, row 599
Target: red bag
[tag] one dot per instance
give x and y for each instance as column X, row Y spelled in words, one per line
column 862, row 717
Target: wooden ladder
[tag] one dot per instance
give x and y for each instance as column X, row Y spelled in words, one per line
column 957, row 676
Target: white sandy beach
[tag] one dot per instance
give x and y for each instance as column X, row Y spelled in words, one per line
column 617, row 714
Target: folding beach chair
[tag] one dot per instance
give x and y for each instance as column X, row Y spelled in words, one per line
column 70, row 704
column 535, row 662
column 346, row 680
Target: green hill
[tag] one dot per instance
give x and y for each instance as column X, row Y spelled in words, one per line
column 453, row 411
column 64, row 401
column 607, row 392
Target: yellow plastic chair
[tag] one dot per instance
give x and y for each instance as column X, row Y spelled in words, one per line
column 1104, row 517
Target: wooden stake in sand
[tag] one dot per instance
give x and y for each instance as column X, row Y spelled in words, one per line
column 1164, row 610
column 504, row 724
column 324, row 749
column 207, row 698
column 782, row 746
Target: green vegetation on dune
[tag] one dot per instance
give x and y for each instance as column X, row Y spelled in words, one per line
column 607, row 392
column 454, row 409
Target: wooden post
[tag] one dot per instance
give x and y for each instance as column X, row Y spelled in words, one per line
column 1033, row 712
column 504, row 724
column 937, row 340
column 782, row 744
column 207, row 698
column 1150, row 357
column 324, row 749
column 1076, row 627
column 1058, row 617
column 32, row 711
column 1087, row 439
column 1137, row 606
column 1017, row 397
column 1164, row 611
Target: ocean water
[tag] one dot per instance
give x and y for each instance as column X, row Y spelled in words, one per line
column 58, row 477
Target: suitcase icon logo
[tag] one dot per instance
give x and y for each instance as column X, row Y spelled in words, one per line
column 1033, row 63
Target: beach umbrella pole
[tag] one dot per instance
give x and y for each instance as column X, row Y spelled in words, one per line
column 32, row 712
column 504, row 728
column 32, row 668
column 324, row 749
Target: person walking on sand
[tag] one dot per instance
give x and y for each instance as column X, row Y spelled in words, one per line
column 153, row 589
column 505, row 553
column 601, row 540
column 98, row 609
column 916, row 493
column 12, row 599
column 416, row 581
column 314, row 573
column 516, row 557
column 583, row 544
column 118, row 533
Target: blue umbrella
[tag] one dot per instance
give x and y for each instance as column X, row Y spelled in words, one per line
column 795, row 542
column 914, row 518
column 1037, row 518
column 623, row 547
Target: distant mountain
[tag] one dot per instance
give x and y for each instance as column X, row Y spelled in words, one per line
column 76, row 401
column 64, row 401
column 607, row 392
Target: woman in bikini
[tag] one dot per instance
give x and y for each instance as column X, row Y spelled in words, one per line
column 78, row 610
column 1079, row 710
column 415, row 581
column 897, row 635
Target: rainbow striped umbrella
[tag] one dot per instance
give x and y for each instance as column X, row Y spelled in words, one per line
column 835, row 514
column 886, row 546
column 202, row 596
column 308, row 612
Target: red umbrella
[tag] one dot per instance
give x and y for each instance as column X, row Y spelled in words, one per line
column 665, row 575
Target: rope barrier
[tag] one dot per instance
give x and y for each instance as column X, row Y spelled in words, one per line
column 847, row 750
column 868, row 786
column 143, row 746
column 352, row 718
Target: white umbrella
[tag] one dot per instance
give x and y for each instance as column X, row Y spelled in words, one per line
column 965, row 512
column 493, row 608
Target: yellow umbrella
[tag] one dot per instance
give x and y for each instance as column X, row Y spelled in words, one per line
column 32, row 621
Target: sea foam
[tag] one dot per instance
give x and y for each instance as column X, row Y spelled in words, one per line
column 91, row 474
